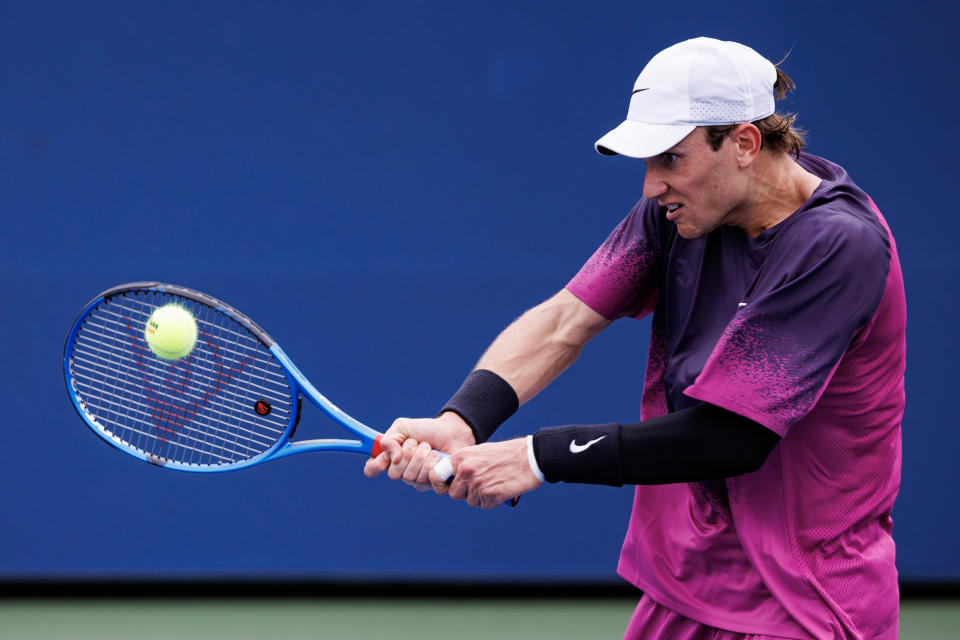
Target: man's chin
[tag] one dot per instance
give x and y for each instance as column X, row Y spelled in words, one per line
column 690, row 233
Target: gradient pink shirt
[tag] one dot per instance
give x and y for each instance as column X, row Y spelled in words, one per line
column 802, row 330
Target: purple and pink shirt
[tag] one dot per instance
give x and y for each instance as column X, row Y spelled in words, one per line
column 802, row 330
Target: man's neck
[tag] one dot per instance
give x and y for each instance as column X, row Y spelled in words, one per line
column 780, row 187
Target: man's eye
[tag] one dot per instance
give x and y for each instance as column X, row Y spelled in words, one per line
column 668, row 158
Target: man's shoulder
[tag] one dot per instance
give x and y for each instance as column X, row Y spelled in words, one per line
column 839, row 215
column 831, row 247
column 826, row 231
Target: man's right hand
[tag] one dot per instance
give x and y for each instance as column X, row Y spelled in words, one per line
column 410, row 445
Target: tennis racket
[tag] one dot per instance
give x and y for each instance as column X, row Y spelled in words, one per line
column 233, row 402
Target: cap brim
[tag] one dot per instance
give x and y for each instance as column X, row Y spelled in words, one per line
column 641, row 139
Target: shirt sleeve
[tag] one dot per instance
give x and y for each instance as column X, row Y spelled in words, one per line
column 780, row 350
column 621, row 278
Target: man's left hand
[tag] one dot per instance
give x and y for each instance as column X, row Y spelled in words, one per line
column 489, row 474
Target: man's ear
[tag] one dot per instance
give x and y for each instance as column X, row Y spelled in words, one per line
column 748, row 141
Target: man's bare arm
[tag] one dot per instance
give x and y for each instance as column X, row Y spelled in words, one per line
column 540, row 344
column 529, row 354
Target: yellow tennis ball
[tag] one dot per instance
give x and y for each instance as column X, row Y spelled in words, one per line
column 171, row 332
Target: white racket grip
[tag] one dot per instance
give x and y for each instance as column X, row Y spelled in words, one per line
column 444, row 468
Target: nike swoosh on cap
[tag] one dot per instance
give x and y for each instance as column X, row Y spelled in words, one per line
column 639, row 90
column 580, row 448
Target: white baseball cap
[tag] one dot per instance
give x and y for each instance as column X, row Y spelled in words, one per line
column 698, row 82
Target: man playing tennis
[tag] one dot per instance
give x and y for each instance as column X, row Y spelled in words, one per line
column 768, row 457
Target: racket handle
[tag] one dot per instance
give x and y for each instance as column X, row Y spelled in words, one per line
column 443, row 468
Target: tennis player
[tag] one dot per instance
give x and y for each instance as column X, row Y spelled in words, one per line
column 768, row 457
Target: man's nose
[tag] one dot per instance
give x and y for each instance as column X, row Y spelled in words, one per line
column 653, row 184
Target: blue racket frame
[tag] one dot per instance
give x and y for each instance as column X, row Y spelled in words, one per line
column 299, row 386
column 299, row 382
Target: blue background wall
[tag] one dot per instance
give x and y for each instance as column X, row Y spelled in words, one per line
column 383, row 186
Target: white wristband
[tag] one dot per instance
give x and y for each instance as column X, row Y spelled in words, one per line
column 532, row 459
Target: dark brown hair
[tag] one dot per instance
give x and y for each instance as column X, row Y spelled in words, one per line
column 778, row 131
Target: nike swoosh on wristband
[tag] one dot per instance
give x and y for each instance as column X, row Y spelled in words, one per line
column 580, row 448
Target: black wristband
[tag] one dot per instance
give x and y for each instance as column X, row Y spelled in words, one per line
column 484, row 401
column 587, row 454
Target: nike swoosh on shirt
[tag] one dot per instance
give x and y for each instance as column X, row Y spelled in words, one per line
column 580, row 448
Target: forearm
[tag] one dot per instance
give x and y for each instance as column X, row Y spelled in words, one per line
column 704, row 442
column 540, row 345
column 524, row 358
column 527, row 370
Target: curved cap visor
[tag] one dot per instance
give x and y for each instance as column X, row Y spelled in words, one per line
column 642, row 139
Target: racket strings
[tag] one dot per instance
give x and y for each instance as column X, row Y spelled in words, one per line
column 230, row 399
column 90, row 351
column 146, row 414
column 200, row 410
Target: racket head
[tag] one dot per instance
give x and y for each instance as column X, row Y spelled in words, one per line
column 227, row 405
